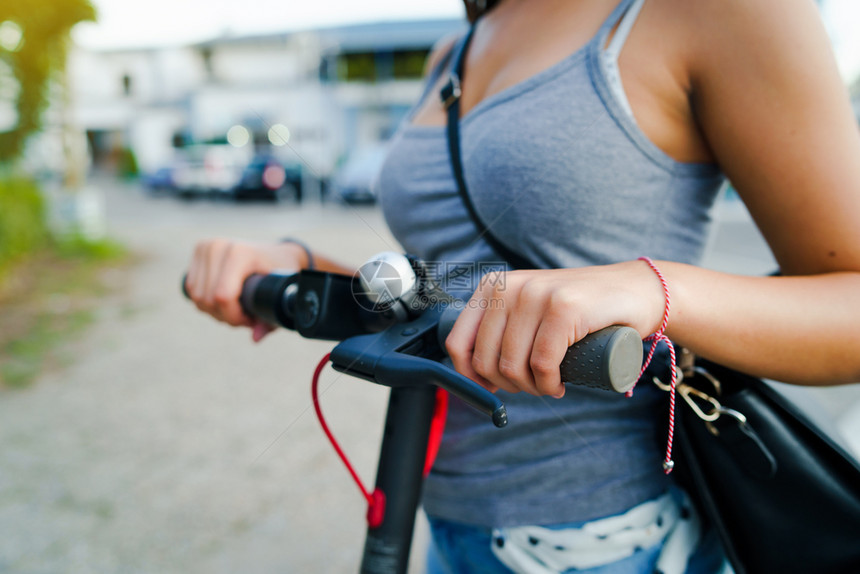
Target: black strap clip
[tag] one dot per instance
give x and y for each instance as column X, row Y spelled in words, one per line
column 450, row 92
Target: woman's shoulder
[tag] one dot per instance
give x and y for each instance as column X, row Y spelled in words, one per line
column 440, row 51
column 701, row 22
column 719, row 42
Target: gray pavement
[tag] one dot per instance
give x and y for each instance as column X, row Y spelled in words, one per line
column 173, row 445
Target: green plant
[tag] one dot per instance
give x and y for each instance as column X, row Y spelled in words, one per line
column 33, row 46
column 49, row 299
column 78, row 247
column 22, row 226
column 127, row 163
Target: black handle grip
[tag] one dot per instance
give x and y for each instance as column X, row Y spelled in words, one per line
column 608, row 359
column 267, row 298
column 264, row 297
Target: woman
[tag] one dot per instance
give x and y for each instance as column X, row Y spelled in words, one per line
column 595, row 132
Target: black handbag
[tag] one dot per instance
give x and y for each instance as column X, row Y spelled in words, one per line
column 783, row 495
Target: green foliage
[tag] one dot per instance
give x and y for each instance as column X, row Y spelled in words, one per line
column 127, row 163
column 22, row 227
column 76, row 246
column 49, row 300
column 48, row 297
column 39, row 56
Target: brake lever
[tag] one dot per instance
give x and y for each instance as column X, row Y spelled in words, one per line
column 408, row 354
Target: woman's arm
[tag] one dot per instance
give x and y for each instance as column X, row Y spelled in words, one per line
column 776, row 115
column 765, row 91
column 219, row 267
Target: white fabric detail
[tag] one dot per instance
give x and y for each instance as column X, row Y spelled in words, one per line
column 539, row 550
column 612, row 51
column 682, row 540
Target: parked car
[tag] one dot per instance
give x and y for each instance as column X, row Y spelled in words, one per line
column 266, row 177
column 161, row 180
column 354, row 182
column 208, row 169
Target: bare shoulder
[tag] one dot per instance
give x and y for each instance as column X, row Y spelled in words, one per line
column 440, row 49
column 767, row 93
column 727, row 28
column 714, row 28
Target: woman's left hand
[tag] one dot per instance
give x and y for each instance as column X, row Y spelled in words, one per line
column 514, row 332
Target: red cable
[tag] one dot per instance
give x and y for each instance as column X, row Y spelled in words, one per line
column 437, row 428
column 376, row 499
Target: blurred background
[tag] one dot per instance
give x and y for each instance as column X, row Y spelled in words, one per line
column 137, row 435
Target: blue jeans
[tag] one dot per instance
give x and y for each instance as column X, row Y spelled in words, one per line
column 465, row 549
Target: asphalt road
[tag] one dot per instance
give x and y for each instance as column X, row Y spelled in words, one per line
column 174, row 445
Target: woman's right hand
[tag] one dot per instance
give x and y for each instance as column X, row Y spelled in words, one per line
column 219, row 267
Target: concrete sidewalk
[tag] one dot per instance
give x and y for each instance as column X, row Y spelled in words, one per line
column 173, row 444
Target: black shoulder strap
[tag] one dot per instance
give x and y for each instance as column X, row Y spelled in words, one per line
column 450, row 95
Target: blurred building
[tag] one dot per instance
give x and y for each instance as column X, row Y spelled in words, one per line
column 318, row 94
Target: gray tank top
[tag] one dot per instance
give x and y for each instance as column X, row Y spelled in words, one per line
column 564, row 176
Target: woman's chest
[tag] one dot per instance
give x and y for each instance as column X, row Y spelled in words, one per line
column 511, row 46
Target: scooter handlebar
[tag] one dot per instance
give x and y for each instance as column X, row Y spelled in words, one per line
column 608, row 359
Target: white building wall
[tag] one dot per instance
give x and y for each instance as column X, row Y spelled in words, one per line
column 150, row 134
column 162, row 75
column 203, row 90
column 256, row 65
